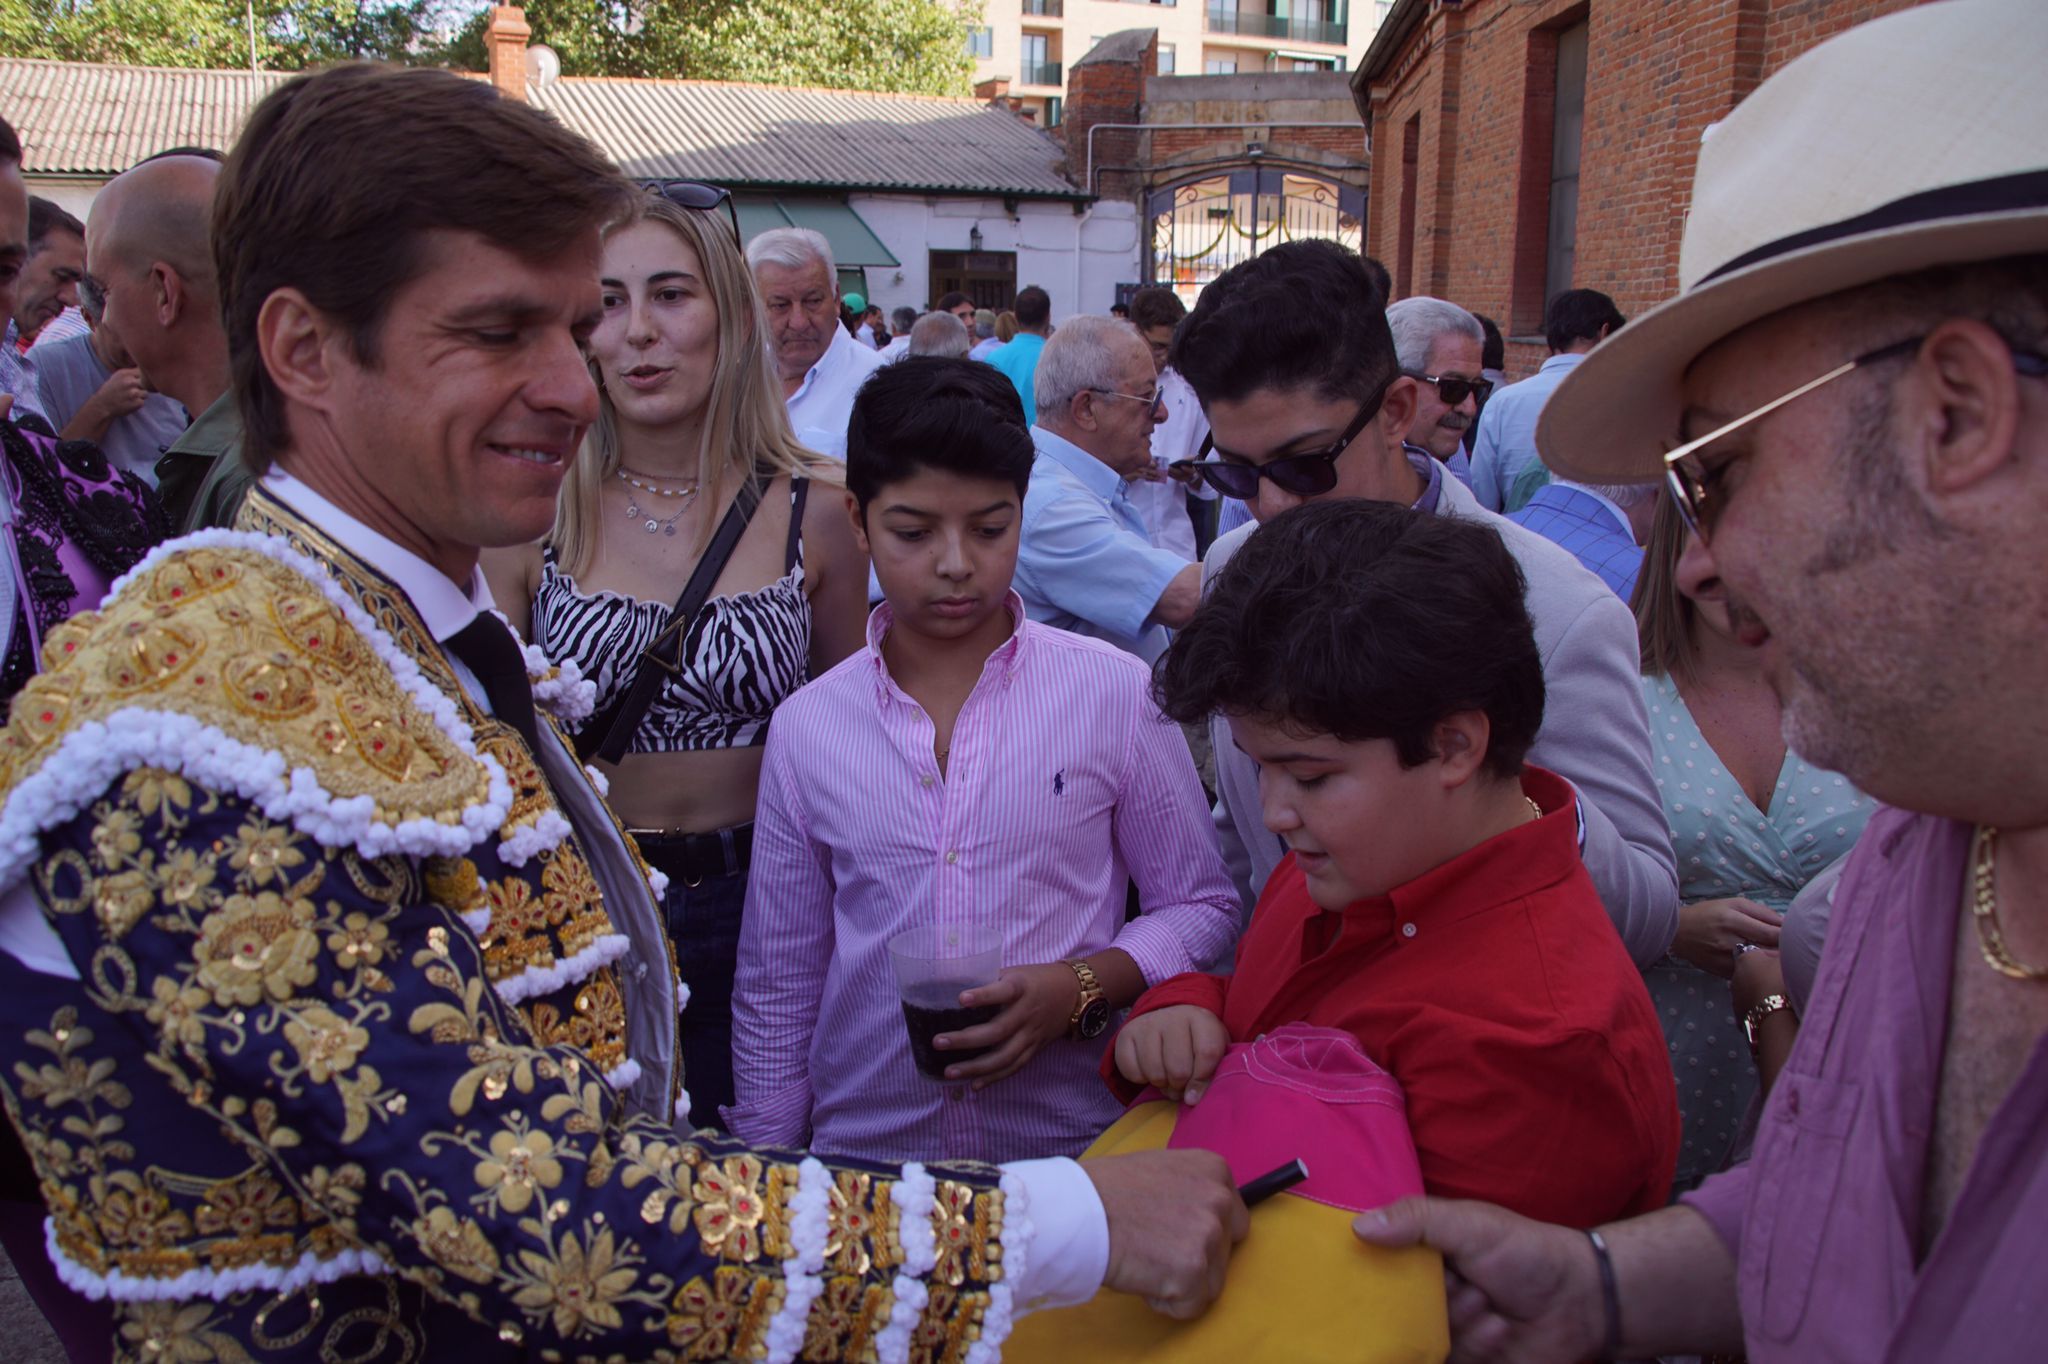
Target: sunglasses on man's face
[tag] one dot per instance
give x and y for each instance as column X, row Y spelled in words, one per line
column 695, row 194
column 1455, row 388
column 1309, row 474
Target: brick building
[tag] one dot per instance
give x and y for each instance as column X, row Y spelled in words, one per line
column 1219, row 167
column 1527, row 146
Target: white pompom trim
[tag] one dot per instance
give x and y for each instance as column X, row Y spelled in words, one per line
column 1002, row 1296
column 913, row 1194
column 540, row 980
column 478, row 921
column 657, row 881
column 530, row 840
column 218, row 1284
column 803, row 1271
column 892, row 1342
column 682, row 1113
column 598, row 780
column 622, row 1075
column 559, row 688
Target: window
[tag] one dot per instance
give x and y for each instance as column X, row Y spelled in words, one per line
column 1166, row 59
column 1411, row 157
column 1568, row 124
column 1220, row 66
column 1055, row 109
column 981, row 42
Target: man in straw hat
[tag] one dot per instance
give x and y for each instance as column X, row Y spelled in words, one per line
column 1851, row 395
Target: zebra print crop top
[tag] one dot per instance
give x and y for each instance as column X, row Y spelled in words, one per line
column 746, row 652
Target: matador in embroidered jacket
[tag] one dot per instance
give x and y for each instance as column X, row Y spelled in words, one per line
column 366, row 1050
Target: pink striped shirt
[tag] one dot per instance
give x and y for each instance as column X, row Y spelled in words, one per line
column 1062, row 780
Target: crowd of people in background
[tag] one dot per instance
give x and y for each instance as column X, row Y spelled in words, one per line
column 494, row 686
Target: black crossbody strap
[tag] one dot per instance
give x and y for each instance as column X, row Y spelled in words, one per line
column 610, row 732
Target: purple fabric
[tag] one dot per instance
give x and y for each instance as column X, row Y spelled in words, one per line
column 1825, row 1219
column 79, row 523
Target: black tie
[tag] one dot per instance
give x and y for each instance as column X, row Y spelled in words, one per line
column 489, row 650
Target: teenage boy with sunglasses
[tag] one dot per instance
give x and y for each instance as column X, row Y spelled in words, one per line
column 1293, row 361
column 970, row 766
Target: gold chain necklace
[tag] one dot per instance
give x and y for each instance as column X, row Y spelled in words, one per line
column 1984, row 909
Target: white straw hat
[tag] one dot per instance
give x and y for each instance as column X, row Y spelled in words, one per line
column 1916, row 140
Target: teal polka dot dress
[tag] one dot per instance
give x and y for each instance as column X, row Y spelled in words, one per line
column 1726, row 847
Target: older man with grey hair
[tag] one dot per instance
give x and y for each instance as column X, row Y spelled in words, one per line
column 1440, row 346
column 820, row 364
column 940, row 334
column 1085, row 561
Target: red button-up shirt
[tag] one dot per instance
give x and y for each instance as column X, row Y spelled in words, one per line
column 1495, row 990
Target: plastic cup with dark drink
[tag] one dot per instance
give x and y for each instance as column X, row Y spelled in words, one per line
column 933, row 965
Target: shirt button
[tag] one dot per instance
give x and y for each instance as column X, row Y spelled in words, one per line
column 1407, row 930
column 957, row 1093
column 953, row 856
column 925, row 781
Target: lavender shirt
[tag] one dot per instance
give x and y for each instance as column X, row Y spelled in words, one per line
column 1825, row 1217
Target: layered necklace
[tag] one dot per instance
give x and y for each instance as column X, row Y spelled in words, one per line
column 640, row 483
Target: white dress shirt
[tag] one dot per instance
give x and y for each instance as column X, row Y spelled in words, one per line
column 1164, row 504
column 823, row 402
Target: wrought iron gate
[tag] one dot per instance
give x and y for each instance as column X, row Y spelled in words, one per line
column 1201, row 228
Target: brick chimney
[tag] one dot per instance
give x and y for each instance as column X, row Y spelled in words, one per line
column 505, row 39
column 1108, row 86
column 992, row 89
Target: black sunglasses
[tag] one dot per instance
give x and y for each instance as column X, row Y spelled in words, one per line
column 1306, row 475
column 1453, row 389
column 699, row 196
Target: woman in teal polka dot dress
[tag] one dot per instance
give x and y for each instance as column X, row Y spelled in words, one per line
column 1751, row 823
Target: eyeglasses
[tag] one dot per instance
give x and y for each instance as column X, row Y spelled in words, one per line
column 1454, row 388
column 1306, row 475
column 1693, row 485
column 699, row 196
column 1151, row 400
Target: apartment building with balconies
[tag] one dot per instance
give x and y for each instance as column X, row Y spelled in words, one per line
column 1022, row 48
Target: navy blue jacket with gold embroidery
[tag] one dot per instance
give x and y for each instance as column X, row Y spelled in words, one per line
column 348, row 1070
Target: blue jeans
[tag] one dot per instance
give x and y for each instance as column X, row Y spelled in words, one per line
column 703, row 922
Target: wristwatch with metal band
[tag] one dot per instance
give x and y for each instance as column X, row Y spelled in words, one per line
column 1758, row 1012
column 1091, row 1015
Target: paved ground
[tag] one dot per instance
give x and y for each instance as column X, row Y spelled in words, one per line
column 25, row 1338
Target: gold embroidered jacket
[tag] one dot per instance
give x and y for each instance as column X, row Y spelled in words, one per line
column 347, row 1071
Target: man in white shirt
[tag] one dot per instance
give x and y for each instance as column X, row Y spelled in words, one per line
column 402, row 963
column 1506, row 468
column 819, row 362
column 1161, row 496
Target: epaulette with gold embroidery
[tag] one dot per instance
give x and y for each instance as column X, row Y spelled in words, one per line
column 231, row 659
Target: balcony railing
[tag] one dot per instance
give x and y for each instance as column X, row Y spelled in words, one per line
column 1253, row 25
column 1039, row 73
column 1049, row 9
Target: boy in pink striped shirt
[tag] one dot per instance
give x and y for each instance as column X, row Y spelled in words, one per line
column 968, row 767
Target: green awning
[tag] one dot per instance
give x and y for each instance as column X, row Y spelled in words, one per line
column 854, row 243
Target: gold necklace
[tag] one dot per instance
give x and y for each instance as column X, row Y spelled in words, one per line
column 1535, row 810
column 1984, row 909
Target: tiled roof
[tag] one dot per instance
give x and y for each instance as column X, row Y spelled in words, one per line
column 86, row 118
column 83, row 118
column 737, row 134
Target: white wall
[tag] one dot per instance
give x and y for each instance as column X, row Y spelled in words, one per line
column 73, row 196
column 1077, row 258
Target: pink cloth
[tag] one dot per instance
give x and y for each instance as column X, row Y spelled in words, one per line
column 1311, row 1094
column 1063, row 783
column 1825, row 1219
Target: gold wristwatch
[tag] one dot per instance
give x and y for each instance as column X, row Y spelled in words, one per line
column 1091, row 1015
column 1758, row 1012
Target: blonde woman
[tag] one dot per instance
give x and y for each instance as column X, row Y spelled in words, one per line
column 690, row 416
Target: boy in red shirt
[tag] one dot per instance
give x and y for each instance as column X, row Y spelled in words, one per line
column 1378, row 664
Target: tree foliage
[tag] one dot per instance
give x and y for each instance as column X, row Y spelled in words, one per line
column 916, row 46
column 911, row 46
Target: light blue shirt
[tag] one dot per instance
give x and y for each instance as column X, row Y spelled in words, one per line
column 1084, row 560
column 1017, row 359
column 1506, row 470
